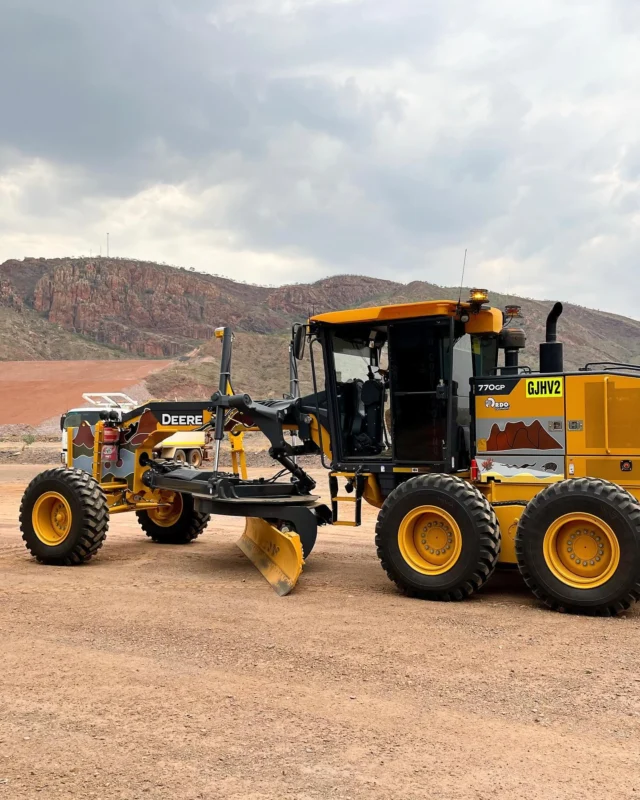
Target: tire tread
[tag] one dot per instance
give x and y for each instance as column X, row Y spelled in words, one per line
column 95, row 512
column 608, row 491
column 484, row 518
column 189, row 527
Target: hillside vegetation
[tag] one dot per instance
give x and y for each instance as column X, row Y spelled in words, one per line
column 27, row 336
column 68, row 308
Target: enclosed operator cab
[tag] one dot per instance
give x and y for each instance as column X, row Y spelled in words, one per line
column 398, row 379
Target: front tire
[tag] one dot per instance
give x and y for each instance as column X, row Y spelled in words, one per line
column 177, row 522
column 578, row 547
column 64, row 516
column 437, row 538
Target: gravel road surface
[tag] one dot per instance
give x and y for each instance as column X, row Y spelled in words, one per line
column 176, row 672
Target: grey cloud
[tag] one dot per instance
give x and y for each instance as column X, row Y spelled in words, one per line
column 103, row 85
column 362, row 135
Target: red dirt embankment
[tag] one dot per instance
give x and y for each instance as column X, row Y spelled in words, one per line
column 33, row 391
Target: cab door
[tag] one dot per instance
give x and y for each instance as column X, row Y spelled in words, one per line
column 420, row 360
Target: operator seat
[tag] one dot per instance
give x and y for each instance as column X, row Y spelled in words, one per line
column 373, row 401
column 353, row 421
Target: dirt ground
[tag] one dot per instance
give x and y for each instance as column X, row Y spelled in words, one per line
column 176, row 672
column 40, row 453
column 34, row 391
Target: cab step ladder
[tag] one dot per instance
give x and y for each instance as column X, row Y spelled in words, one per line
column 355, row 482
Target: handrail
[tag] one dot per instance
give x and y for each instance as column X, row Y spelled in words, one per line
column 315, row 392
column 523, row 369
column 604, row 365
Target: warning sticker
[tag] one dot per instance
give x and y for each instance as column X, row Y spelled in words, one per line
column 544, row 387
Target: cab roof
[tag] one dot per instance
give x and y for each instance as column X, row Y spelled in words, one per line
column 481, row 320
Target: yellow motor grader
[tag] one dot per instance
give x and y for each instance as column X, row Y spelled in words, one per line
column 422, row 410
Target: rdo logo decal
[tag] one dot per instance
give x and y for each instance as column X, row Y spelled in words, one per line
column 498, row 406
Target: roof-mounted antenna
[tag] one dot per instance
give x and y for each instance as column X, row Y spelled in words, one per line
column 464, row 264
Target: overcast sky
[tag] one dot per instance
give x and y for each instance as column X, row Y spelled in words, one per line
column 285, row 140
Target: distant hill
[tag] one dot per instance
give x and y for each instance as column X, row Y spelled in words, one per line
column 26, row 335
column 152, row 309
column 68, row 308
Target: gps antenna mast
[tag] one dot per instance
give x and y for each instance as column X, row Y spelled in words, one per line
column 464, row 264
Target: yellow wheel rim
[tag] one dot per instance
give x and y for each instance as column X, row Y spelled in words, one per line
column 581, row 550
column 51, row 518
column 430, row 540
column 169, row 513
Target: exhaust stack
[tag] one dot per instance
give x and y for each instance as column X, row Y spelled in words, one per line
column 551, row 351
column 511, row 340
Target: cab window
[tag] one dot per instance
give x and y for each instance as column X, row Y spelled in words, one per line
column 485, row 355
column 74, row 418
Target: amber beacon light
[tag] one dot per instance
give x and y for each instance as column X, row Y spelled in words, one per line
column 479, row 295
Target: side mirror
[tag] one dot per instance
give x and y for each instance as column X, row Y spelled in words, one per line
column 298, row 340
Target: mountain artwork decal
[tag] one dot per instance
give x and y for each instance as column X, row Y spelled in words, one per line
column 520, row 436
column 84, row 436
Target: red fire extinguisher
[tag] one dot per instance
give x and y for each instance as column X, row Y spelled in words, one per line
column 110, row 439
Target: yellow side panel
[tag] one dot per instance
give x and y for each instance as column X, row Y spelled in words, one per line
column 623, row 415
column 372, row 493
column 609, row 468
column 591, row 411
column 508, row 518
column 509, row 515
column 326, row 438
column 602, row 415
column 497, row 492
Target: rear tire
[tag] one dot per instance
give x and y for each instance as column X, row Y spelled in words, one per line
column 64, row 516
column 578, row 547
column 179, row 524
column 195, row 458
column 180, row 456
column 437, row 538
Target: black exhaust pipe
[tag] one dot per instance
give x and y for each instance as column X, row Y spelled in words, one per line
column 551, row 351
column 552, row 323
column 512, row 340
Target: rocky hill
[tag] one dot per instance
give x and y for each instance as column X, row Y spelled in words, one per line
column 26, row 335
column 89, row 307
column 152, row 309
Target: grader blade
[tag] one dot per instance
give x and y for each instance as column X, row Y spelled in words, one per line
column 277, row 554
